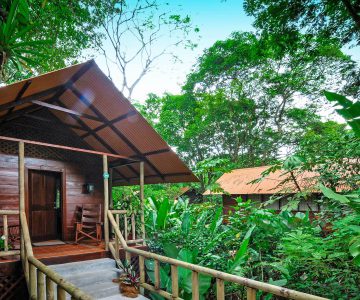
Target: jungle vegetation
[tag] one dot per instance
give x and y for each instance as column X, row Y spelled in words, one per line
column 254, row 98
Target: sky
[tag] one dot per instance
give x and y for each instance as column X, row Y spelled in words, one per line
column 216, row 19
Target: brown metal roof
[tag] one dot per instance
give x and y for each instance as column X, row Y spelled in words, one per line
column 94, row 109
column 237, row 182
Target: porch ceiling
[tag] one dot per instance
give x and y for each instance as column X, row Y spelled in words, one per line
column 83, row 99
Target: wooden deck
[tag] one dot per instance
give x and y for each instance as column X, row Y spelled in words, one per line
column 70, row 252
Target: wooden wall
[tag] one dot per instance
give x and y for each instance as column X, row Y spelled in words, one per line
column 75, row 176
column 229, row 201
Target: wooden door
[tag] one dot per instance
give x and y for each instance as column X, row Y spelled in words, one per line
column 44, row 205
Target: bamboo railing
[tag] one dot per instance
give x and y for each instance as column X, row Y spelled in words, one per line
column 43, row 281
column 252, row 286
column 5, row 233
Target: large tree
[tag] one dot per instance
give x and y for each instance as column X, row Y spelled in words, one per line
column 136, row 34
column 40, row 36
column 336, row 19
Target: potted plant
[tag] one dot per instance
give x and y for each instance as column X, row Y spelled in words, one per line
column 128, row 280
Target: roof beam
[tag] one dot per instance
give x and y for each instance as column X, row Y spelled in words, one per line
column 65, row 110
column 62, row 147
column 18, row 96
column 83, row 99
column 153, row 176
column 117, row 119
column 118, row 163
column 28, row 99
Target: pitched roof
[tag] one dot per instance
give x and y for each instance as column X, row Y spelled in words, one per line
column 87, row 102
column 237, row 182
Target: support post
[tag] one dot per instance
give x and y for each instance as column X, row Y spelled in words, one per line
column 157, row 274
column 40, row 285
column 250, row 293
column 32, row 275
column 142, row 273
column 220, row 289
column 6, row 233
column 174, row 281
column 142, row 218
column 21, row 167
column 49, row 289
column 106, row 201
column 195, row 285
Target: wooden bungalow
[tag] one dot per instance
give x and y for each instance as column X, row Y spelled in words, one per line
column 66, row 138
column 240, row 183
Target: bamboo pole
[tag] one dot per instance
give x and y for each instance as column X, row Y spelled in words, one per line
column 8, row 212
column 195, row 285
column 157, row 274
column 118, row 211
column 32, row 275
column 40, row 285
column 61, row 294
column 128, row 256
column 106, row 201
column 117, row 230
column 117, row 248
column 142, row 268
column 49, row 289
column 21, row 176
column 6, row 233
column 142, row 273
column 9, row 253
column 133, row 229
column 220, row 289
column 142, row 217
column 174, row 281
column 126, row 228
column 250, row 294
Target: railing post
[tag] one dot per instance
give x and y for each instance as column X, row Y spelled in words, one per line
column 40, row 285
column 157, row 274
column 142, row 217
column 6, row 233
column 174, row 282
column 125, row 227
column 142, row 272
column 128, row 256
column 117, row 247
column 250, row 293
column 133, row 229
column 106, row 201
column 21, row 171
column 195, row 285
column 32, row 275
column 220, row 289
column 49, row 289
column 61, row 294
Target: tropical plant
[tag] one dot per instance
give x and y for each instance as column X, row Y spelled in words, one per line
column 17, row 53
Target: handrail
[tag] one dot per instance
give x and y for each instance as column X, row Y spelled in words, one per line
column 7, row 252
column 40, row 278
column 221, row 277
column 117, row 213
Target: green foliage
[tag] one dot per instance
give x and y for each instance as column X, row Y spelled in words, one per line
column 284, row 249
column 17, row 52
column 350, row 111
column 338, row 19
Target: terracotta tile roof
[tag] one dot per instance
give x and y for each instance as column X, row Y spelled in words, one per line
column 238, row 182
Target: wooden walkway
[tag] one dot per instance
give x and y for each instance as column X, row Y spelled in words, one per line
column 64, row 253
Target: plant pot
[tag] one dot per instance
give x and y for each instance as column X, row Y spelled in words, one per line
column 128, row 290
